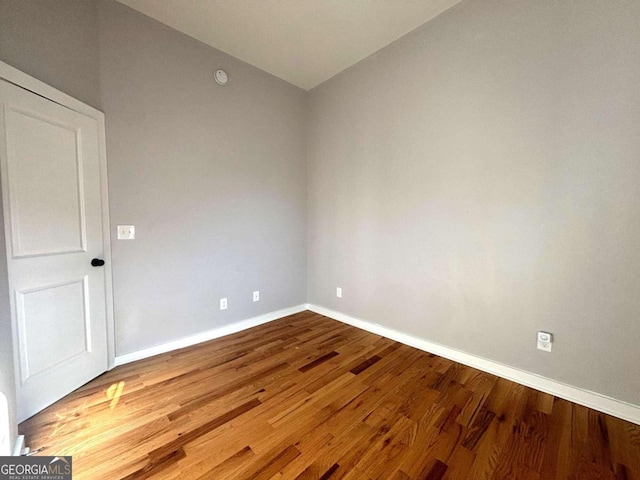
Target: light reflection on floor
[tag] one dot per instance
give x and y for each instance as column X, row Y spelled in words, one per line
column 113, row 393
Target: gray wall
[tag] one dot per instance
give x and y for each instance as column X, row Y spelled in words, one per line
column 477, row 181
column 212, row 177
column 54, row 41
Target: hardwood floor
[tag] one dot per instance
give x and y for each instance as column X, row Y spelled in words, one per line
column 308, row 397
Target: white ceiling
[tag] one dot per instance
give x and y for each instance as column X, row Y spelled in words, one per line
column 304, row 42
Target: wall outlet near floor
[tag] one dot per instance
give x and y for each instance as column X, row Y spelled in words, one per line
column 545, row 341
column 256, row 296
column 223, row 304
column 338, row 292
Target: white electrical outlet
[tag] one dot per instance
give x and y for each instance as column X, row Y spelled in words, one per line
column 256, row 296
column 126, row 232
column 223, row 304
column 338, row 292
column 545, row 341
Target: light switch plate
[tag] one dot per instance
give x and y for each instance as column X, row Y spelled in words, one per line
column 126, row 232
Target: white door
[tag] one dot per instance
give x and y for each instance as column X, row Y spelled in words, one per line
column 50, row 169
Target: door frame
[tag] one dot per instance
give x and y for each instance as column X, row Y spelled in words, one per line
column 27, row 82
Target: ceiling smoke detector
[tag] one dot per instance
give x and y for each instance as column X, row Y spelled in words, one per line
column 221, row 77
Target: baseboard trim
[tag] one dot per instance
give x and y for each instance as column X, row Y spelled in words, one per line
column 18, row 446
column 596, row 401
column 208, row 335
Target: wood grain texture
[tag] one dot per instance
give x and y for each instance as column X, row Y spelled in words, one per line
column 307, row 397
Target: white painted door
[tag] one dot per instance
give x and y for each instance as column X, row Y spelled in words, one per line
column 50, row 169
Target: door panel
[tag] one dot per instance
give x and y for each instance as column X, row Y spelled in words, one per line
column 45, row 184
column 40, row 311
column 50, row 168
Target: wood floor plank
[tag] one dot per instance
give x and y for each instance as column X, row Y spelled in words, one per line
column 308, row 397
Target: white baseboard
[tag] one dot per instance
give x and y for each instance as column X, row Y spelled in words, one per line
column 208, row 335
column 596, row 401
column 18, row 446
